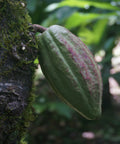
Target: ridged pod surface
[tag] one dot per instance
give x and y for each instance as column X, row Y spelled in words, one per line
column 71, row 70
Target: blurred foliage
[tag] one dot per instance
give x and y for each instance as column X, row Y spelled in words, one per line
column 97, row 23
column 46, row 99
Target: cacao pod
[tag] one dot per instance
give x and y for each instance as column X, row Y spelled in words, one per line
column 71, row 70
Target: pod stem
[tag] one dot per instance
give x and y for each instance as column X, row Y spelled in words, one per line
column 39, row 28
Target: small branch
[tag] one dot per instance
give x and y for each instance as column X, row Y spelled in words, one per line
column 38, row 28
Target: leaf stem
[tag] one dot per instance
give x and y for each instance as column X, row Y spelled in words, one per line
column 38, row 28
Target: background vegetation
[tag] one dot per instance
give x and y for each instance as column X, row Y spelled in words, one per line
column 97, row 23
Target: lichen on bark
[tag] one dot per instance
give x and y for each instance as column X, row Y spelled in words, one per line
column 18, row 51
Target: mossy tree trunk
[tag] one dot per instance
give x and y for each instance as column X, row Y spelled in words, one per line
column 17, row 54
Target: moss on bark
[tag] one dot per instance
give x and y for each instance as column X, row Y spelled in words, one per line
column 18, row 51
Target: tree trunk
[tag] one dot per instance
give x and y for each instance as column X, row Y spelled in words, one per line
column 17, row 54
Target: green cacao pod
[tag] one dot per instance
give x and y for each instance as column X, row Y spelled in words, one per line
column 71, row 70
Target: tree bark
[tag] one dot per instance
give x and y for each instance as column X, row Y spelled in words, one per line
column 18, row 51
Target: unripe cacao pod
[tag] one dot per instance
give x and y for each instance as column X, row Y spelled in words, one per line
column 71, row 70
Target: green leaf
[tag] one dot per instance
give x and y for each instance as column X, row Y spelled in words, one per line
column 61, row 109
column 39, row 108
column 59, row 16
column 94, row 36
column 51, row 7
column 77, row 19
column 36, row 61
column 109, row 44
column 31, row 5
column 52, row 19
column 86, row 4
column 99, row 29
